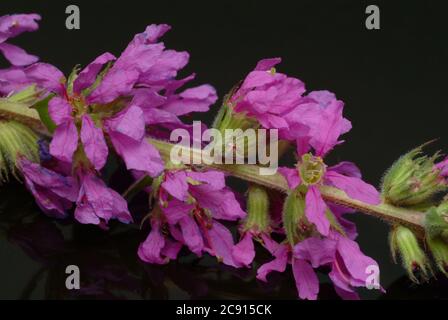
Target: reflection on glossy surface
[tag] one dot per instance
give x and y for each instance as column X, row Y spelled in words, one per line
column 35, row 251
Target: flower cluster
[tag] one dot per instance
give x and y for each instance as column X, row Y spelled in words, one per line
column 117, row 105
column 105, row 106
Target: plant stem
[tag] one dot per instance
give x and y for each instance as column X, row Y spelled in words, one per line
column 389, row 213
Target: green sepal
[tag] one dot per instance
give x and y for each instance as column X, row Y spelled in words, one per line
column 42, row 109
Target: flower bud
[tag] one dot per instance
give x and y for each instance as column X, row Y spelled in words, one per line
column 17, row 141
column 257, row 220
column 295, row 223
column 436, row 221
column 403, row 241
column 412, row 179
column 439, row 250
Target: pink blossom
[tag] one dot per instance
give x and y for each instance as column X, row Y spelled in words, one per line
column 191, row 203
column 12, row 26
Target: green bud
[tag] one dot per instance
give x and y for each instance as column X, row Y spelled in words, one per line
column 436, row 221
column 15, row 140
column 257, row 210
column 412, row 180
column 439, row 250
column 295, row 223
column 404, row 242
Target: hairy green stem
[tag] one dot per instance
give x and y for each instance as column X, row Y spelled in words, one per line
column 391, row 214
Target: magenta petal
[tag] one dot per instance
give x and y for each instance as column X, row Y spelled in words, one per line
column 306, row 280
column 215, row 179
column 267, row 64
column 13, row 25
column 340, row 278
column 138, row 155
column 443, row 167
column 155, row 31
column 95, row 198
column 315, row 250
column 129, row 122
column 64, row 142
column 60, row 110
column 88, row 75
column 171, row 249
column 197, row 99
column 243, row 252
column 93, row 142
column 258, row 79
column 270, row 244
column 272, row 121
column 346, row 168
column 116, row 83
column 17, row 56
column 49, row 202
column 315, row 208
column 12, row 80
column 65, row 187
column 278, row 264
column 222, row 204
column 354, row 187
column 291, row 176
column 84, row 213
column 191, row 235
column 176, row 184
column 159, row 116
column 355, row 262
column 46, row 77
column 54, row 193
column 221, row 243
column 176, row 210
column 328, row 123
column 150, row 250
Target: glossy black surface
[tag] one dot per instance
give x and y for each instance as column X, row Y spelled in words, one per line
column 393, row 82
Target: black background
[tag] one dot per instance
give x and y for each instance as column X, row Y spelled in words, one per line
column 393, row 82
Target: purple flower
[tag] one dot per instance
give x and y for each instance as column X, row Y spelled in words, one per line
column 350, row 268
column 189, row 205
column 12, row 26
column 319, row 119
column 266, row 95
column 127, row 133
column 322, row 114
column 97, row 204
column 55, row 193
column 139, row 89
column 148, row 66
column 312, row 172
column 70, row 112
